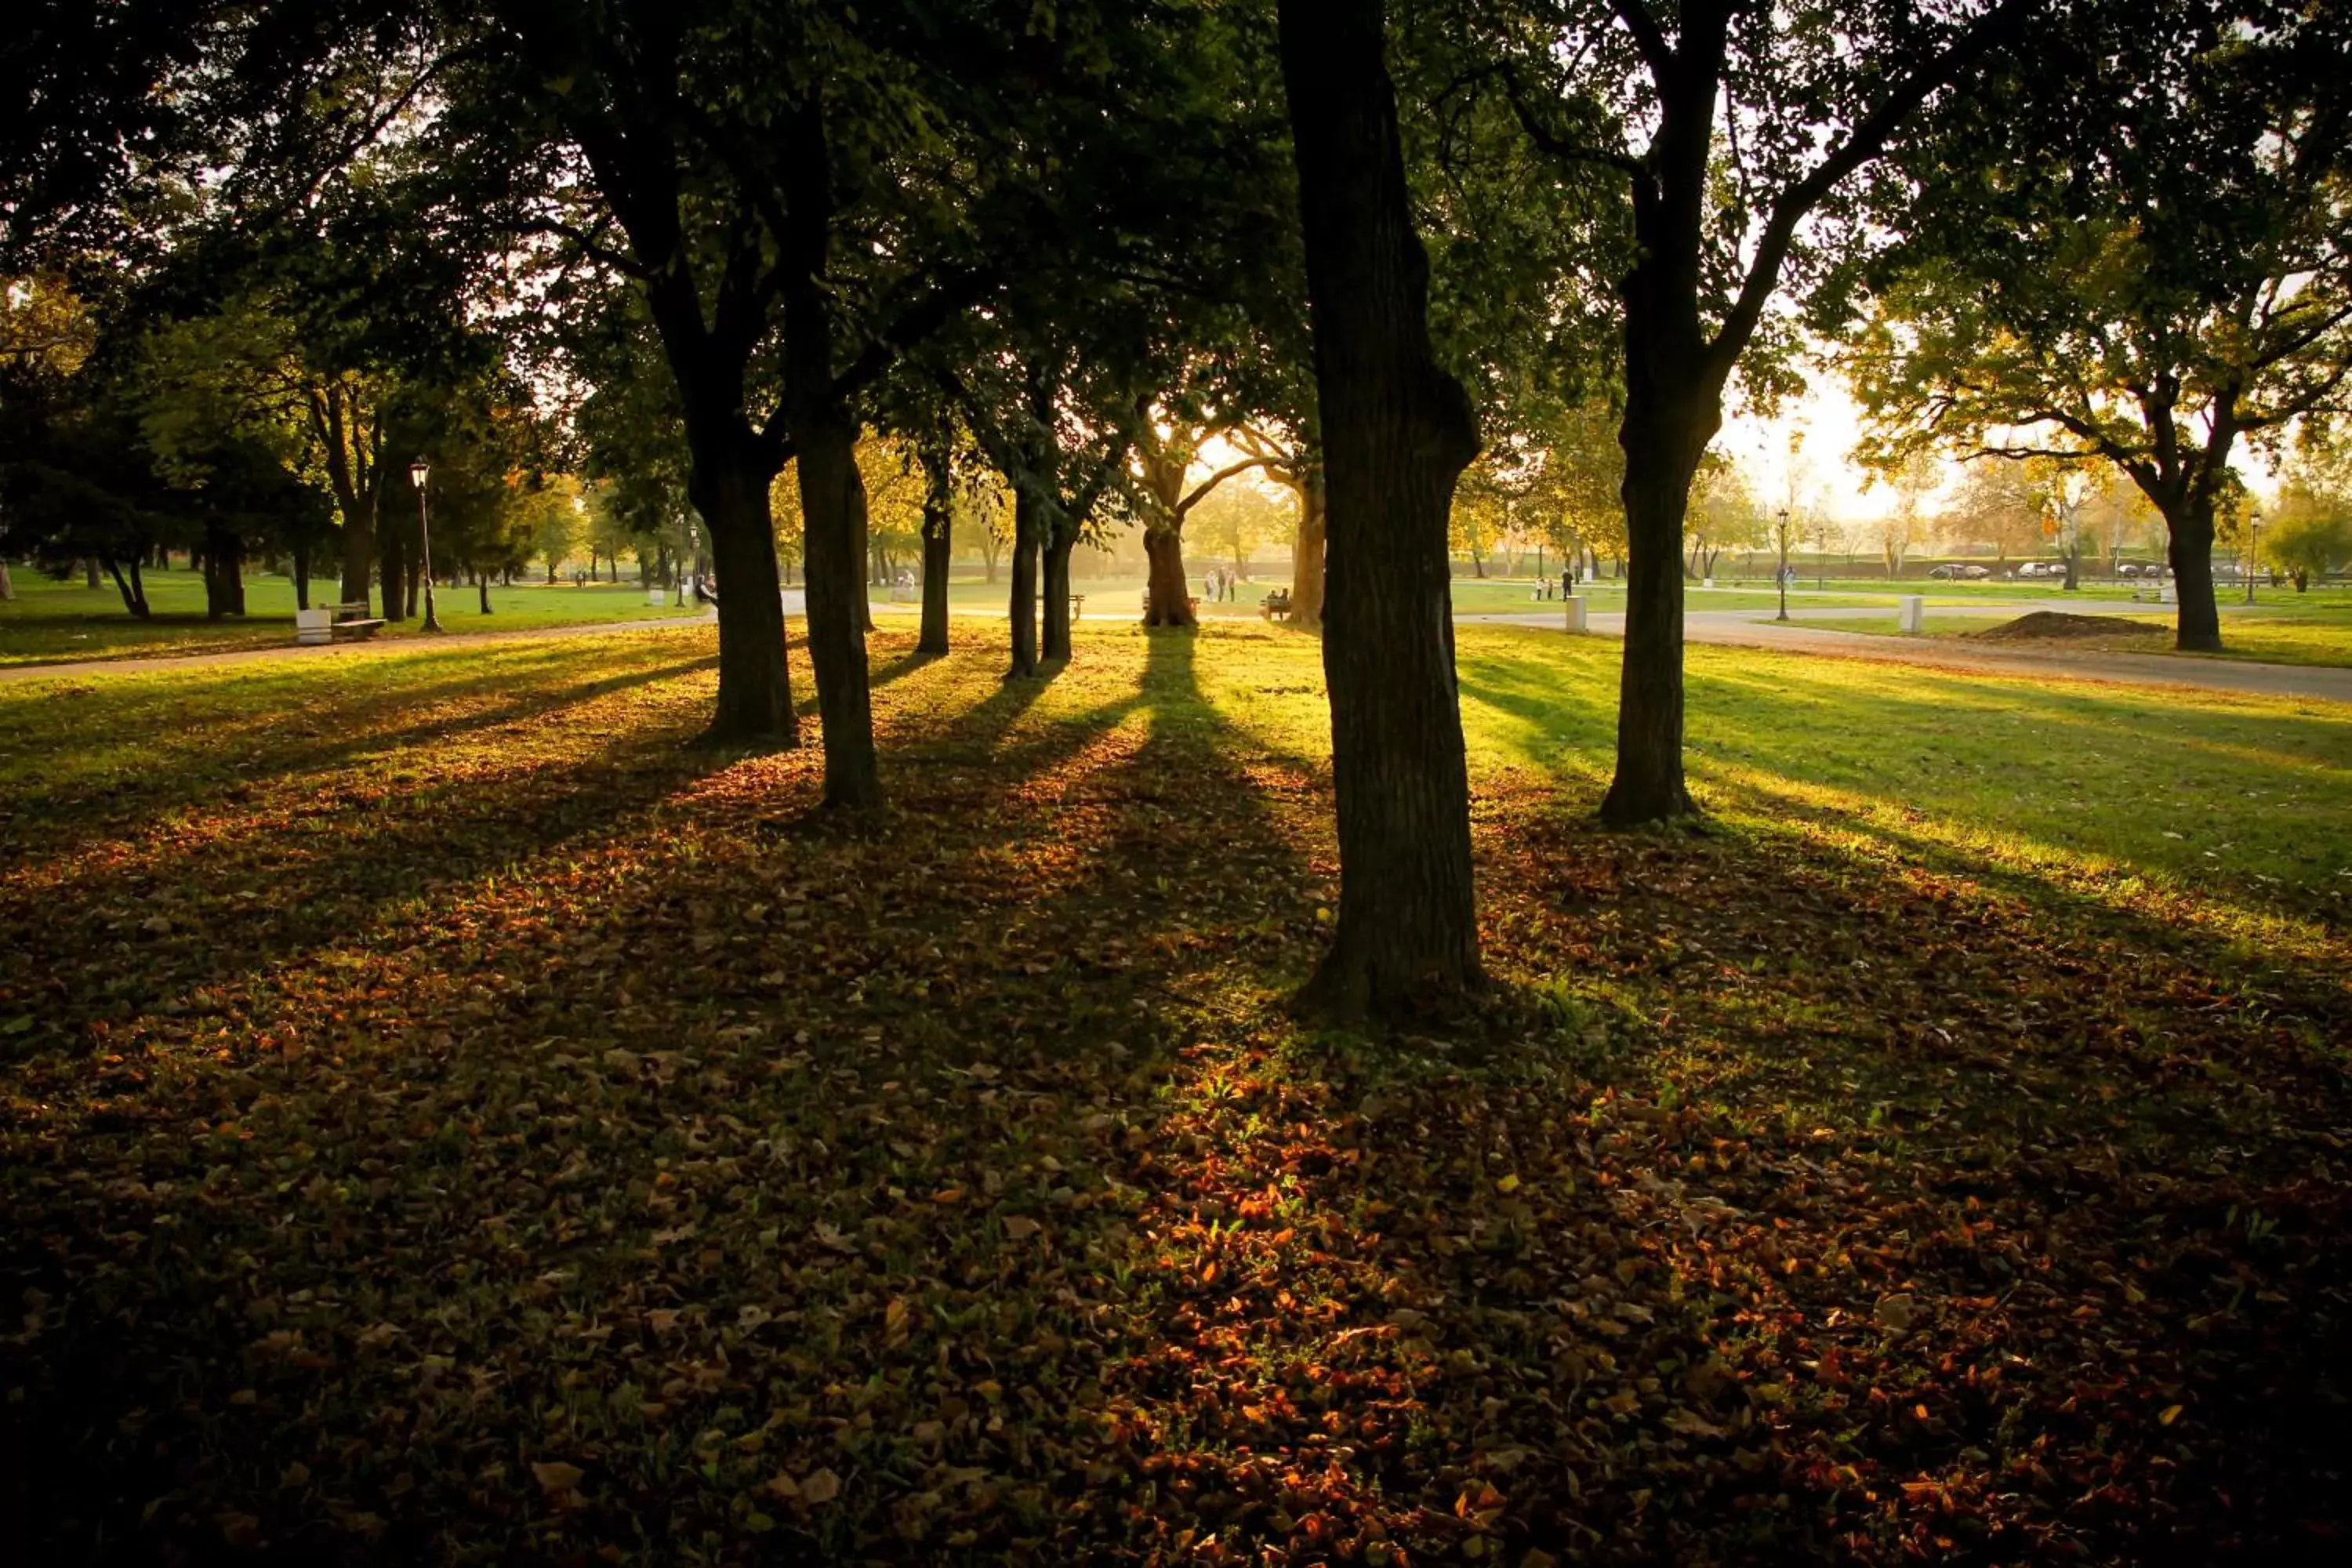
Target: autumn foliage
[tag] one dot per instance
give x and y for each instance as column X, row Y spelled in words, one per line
column 449, row 1119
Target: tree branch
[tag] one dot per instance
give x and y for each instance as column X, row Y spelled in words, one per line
column 1864, row 141
column 1647, row 37
column 1200, row 491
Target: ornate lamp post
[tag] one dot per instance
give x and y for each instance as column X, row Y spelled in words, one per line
column 2253, row 550
column 418, row 472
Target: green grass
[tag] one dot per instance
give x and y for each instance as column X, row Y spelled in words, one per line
column 447, row 1116
column 49, row 621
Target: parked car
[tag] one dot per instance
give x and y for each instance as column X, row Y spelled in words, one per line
column 1960, row 572
column 2128, row 569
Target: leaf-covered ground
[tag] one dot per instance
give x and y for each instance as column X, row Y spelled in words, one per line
column 448, row 1119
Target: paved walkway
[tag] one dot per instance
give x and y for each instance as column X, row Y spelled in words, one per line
column 1745, row 628
column 1742, row 628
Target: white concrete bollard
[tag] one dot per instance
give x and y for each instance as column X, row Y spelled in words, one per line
column 1707, row 582
column 657, row 597
column 314, row 626
column 1912, row 615
column 1575, row 603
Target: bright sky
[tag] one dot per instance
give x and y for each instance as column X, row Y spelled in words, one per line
column 1826, row 425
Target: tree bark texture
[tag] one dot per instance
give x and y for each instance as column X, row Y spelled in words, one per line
column 755, row 690
column 1306, row 554
column 391, row 570
column 2189, row 552
column 832, row 504
column 1649, row 785
column 1397, row 432
column 1028, row 541
column 1167, row 597
column 1057, row 592
column 939, row 554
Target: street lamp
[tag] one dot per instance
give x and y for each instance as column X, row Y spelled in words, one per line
column 2253, row 550
column 1781, row 578
column 418, row 471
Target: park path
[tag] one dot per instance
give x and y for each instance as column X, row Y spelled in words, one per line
column 1746, row 628
column 1743, row 628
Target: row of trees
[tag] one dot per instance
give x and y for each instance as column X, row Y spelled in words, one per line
column 1057, row 250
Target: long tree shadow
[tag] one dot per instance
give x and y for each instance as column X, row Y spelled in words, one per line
column 150, row 765
column 972, row 1166
column 125, row 944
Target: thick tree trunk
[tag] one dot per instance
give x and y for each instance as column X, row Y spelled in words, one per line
column 833, row 505
column 8, row 583
column 1662, row 454
column 755, row 692
column 939, row 551
column 301, row 574
column 1057, row 597
column 1168, row 597
column 2189, row 550
column 1306, row 555
column 360, row 554
column 1028, row 542
column 1397, row 431
column 392, row 574
column 482, row 586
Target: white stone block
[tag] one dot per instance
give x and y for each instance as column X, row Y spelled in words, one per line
column 1575, row 603
column 1912, row 614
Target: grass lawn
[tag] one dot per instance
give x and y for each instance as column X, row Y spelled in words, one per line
column 448, row 1119
column 1121, row 598
column 49, row 622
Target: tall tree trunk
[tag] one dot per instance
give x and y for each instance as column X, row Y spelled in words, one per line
column 359, row 560
column 939, row 551
column 1306, row 555
column 833, row 504
column 1028, row 542
column 482, row 586
column 1397, row 432
column 301, row 574
column 729, row 488
column 1168, row 596
column 2189, row 550
column 1661, row 453
column 89, row 573
column 218, row 556
column 391, row 572
column 8, row 583
column 1057, row 594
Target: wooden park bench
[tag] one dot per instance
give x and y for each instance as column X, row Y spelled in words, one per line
column 325, row 623
column 1274, row 605
column 1078, row 606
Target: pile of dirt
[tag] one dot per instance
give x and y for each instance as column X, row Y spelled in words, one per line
column 2058, row 625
